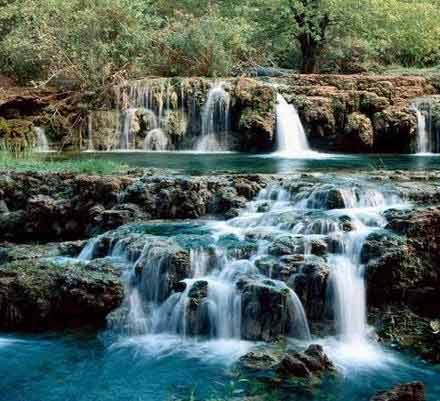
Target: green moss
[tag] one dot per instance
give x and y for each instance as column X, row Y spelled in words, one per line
column 16, row 136
column 32, row 163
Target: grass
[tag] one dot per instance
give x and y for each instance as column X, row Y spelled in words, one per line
column 424, row 72
column 35, row 163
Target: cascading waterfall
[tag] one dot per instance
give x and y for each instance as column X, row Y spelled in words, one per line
column 157, row 115
column 156, row 140
column 90, row 146
column 216, row 121
column 291, row 139
column 42, row 143
column 148, row 103
column 426, row 143
column 225, row 294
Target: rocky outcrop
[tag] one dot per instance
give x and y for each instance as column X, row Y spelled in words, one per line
column 47, row 207
column 404, row 267
column 403, row 278
column 306, row 368
column 42, row 295
column 266, row 311
column 403, row 392
column 399, row 326
column 342, row 113
column 357, row 113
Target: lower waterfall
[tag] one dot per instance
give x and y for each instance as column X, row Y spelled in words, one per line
column 291, row 139
column 216, row 121
column 42, row 143
column 270, row 254
column 426, row 142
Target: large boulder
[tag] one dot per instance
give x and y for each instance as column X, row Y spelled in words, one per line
column 403, row 392
column 267, row 311
column 43, row 295
column 288, row 370
column 358, row 134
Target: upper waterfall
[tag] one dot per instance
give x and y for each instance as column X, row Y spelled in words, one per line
column 215, row 121
column 42, row 143
column 426, row 143
column 291, row 138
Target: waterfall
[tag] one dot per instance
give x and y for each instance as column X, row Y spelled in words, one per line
column 250, row 279
column 90, row 146
column 291, row 138
column 156, row 140
column 425, row 142
column 42, row 144
column 215, row 121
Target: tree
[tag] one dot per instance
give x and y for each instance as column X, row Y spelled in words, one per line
column 313, row 20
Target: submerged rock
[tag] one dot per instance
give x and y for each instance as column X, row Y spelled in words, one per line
column 403, row 392
column 42, row 295
column 289, row 370
column 313, row 361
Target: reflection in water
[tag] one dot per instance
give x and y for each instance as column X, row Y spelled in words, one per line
column 217, row 163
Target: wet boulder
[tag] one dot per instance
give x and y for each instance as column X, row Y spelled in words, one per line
column 311, row 286
column 12, row 252
column 326, row 197
column 287, row 244
column 42, row 295
column 403, row 392
column 266, row 310
column 287, row 367
column 160, row 267
column 312, row 362
column 196, row 313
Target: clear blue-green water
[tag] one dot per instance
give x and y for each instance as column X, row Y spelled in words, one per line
column 217, row 163
column 96, row 368
column 100, row 367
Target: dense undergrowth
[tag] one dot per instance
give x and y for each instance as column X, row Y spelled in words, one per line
column 89, row 43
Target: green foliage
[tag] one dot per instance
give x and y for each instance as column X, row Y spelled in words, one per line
column 89, row 43
column 25, row 162
column 76, row 40
column 205, row 46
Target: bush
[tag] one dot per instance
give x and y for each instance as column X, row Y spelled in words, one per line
column 210, row 45
column 82, row 42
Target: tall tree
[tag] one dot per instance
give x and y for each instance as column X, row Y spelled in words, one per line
column 313, row 20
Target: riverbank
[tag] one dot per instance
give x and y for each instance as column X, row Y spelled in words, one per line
column 340, row 113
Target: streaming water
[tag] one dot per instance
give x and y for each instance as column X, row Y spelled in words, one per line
column 291, row 139
column 156, row 140
column 216, row 121
column 42, row 143
column 156, row 115
column 246, row 281
column 426, row 143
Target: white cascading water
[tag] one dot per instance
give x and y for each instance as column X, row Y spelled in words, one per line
column 152, row 102
column 211, row 302
column 156, row 140
column 216, row 122
column 291, row 139
column 42, row 144
column 424, row 143
column 90, row 146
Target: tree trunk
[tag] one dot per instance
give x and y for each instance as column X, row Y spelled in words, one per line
column 311, row 54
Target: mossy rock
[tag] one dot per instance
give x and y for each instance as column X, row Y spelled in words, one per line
column 40, row 294
column 17, row 135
